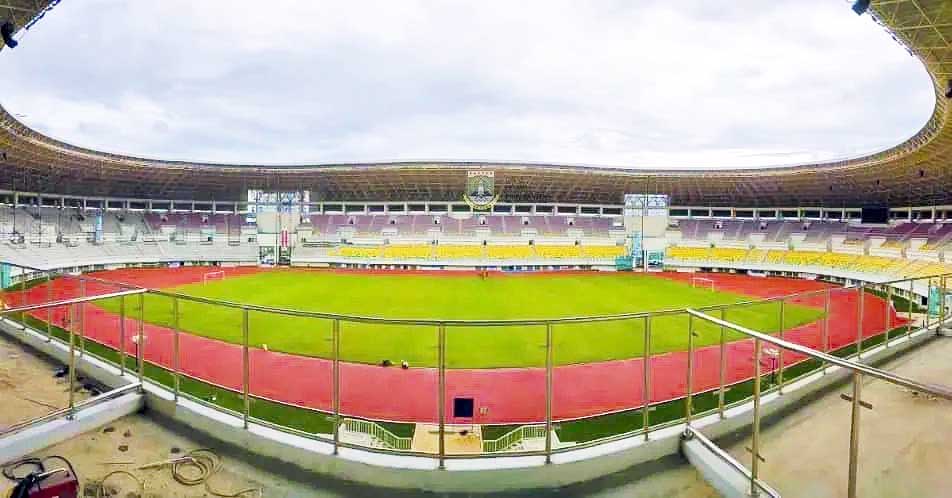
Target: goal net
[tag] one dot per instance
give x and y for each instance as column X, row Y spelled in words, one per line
column 212, row 276
column 702, row 282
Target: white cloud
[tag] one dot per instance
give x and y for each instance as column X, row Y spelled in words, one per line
column 653, row 83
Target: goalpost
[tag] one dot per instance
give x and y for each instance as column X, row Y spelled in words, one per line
column 212, row 276
column 702, row 282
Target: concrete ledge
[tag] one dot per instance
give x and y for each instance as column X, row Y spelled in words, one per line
column 726, row 479
column 44, row 435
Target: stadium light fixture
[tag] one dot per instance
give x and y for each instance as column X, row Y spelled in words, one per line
column 6, row 31
column 860, row 6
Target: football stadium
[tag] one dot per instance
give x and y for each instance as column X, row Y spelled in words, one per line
column 480, row 327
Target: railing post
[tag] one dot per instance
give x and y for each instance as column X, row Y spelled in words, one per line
column 122, row 335
column 854, row 434
column 82, row 317
column 722, row 376
column 140, row 342
column 245, row 367
column 928, row 302
column 175, row 349
column 780, row 351
column 755, row 435
column 889, row 305
column 690, row 373
column 23, row 296
column 941, row 305
column 49, row 310
column 548, row 393
column 646, row 376
column 909, row 308
column 335, row 334
column 72, row 362
column 859, row 322
column 442, row 396
column 826, row 324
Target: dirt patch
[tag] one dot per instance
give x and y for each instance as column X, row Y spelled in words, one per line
column 135, row 441
column 28, row 385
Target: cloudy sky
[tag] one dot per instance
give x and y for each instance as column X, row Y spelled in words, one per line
column 690, row 83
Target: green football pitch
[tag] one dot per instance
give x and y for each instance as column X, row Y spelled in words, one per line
column 459, row 297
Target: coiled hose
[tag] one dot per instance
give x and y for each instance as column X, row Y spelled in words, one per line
column 198, row 466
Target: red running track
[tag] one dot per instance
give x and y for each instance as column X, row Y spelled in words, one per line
column 505, row 395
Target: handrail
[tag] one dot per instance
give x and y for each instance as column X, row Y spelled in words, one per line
column 690, row 432
column 379, row 432
column 67, row 302
column 512, row 437
column 936, row 390
column 63, row 412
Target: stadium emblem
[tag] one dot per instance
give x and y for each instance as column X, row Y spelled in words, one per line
column 480, row 189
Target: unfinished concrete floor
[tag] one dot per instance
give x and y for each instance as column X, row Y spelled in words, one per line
column 28, row 388
column 905, row 443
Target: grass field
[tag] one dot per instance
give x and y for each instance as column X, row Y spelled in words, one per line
column 459, row 297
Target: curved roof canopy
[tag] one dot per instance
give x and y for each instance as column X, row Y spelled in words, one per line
column 915, row 172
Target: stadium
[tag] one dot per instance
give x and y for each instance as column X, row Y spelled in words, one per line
column 481, row 327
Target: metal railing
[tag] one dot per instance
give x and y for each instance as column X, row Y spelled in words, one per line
column 857, row 369
column 649, row 412
column 378, row 432
column 511, row 439
column 75, row 307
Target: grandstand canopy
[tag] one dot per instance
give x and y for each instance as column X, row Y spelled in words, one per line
column 912, row 173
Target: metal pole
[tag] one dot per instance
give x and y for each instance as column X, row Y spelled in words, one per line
column 909, row 309
column 826, row 323
column 23, row 295
column 548, row 393
column 122, row 335
column 755, row 436
column 722, row 377
column 859, row 321
column 928, row 302
column 690, row 379
column 442, row 410
column 889, row 304
column 49, row 311
column 175, row 348
column 72, row 363
column 245, row 367
column 82, row 317
column 941, row 305
column 140, row 342
column 646, row 361
column 780, row 351
column 335, row 331
column 854, row 434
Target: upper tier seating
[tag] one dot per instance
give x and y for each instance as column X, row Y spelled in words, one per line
column 898, row 267
column 496, row 224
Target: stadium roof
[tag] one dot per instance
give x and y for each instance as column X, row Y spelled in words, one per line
column 915, row 172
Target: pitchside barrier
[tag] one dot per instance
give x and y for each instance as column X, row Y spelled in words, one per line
column 646, row 393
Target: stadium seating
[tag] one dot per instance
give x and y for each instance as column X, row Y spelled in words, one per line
column 509, row 252
column 881, row 265
column 459, row 252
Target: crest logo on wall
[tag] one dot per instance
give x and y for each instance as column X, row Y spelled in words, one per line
column 481, row 189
